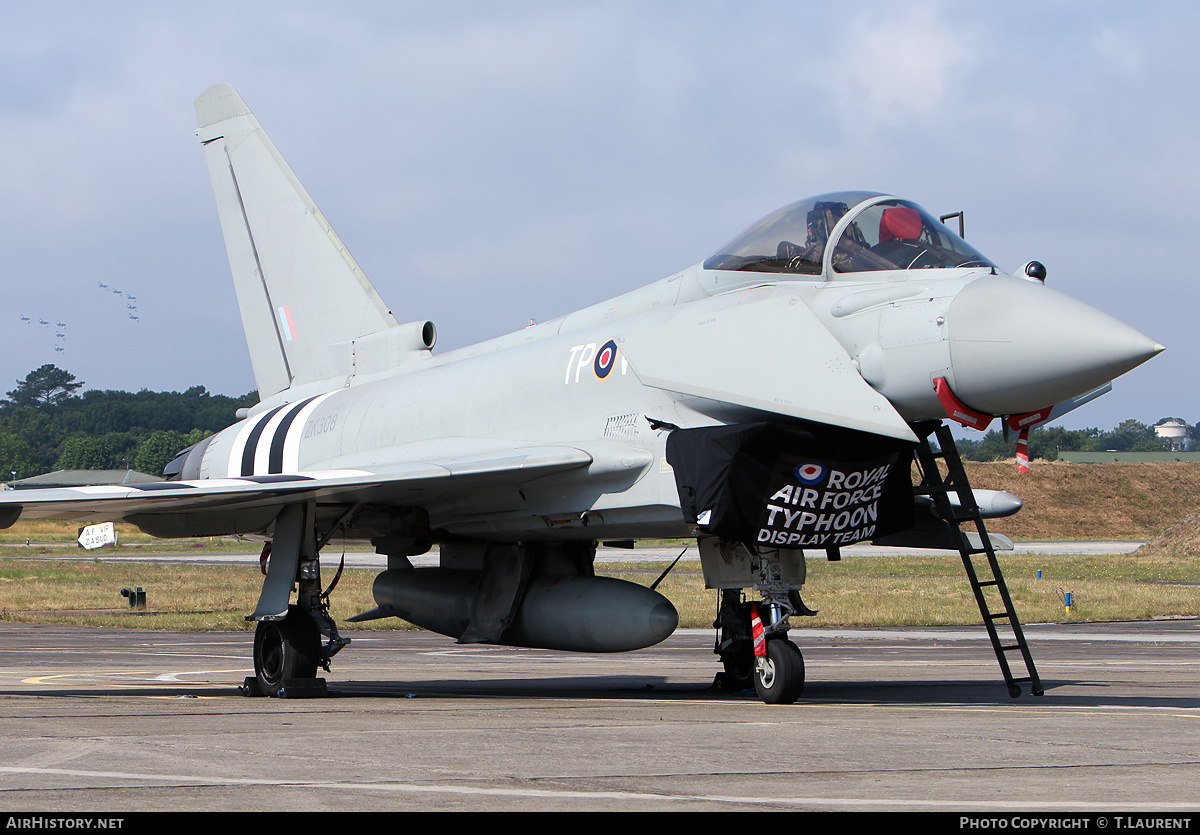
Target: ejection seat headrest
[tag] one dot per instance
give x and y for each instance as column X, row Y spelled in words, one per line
column 900, row 222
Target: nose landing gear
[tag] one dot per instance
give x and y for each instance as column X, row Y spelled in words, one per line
column 779, row 673
column 757, row 654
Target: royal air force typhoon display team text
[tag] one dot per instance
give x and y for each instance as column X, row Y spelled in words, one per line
column 827, row 507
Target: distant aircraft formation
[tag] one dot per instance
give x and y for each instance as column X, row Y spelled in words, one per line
column 131, row 309
column 60, row 333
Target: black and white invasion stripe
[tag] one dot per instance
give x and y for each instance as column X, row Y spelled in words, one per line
column 269, row 444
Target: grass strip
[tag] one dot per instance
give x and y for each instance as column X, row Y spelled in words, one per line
column 857, row 591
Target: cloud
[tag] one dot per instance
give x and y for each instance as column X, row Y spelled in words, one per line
column 901, row 67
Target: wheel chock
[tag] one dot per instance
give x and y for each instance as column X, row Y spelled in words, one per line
column 303, row 688
column 291, row 688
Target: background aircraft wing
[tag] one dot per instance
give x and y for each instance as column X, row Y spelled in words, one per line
column 249, row 504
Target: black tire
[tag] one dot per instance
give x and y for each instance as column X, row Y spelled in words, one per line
column 283, row 649
column 779, row 678
column 736, row 645
column 738, row 672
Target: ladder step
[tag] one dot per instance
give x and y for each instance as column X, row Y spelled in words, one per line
column 955, row 487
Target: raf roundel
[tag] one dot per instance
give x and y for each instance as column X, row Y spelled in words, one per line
column 606, row 358
column 811, row 473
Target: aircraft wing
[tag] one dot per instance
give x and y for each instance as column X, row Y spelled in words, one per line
column 249, row 504
column 799, row 369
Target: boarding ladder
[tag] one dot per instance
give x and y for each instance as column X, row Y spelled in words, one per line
column 939, row 488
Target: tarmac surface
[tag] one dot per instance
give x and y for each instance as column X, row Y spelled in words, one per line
column 111, row 720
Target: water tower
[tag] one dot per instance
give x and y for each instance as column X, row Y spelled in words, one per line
column 1173, row 432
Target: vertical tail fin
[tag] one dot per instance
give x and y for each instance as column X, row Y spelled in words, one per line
column 302, row 297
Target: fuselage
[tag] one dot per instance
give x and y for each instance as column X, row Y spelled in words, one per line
column 613, row 378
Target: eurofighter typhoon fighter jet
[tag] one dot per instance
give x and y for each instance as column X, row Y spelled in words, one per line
column 765, row 401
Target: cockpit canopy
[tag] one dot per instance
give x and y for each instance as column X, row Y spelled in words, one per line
column 882, row 233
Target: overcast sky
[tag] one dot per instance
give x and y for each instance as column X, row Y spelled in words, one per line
column 488, row 162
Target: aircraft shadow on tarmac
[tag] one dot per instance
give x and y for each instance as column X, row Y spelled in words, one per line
column 965, row 693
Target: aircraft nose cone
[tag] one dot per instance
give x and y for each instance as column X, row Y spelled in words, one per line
column 1017, row 346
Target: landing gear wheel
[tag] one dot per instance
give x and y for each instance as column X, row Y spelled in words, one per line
column 738, row 673
column 283, row 649
column 779, row 677
column 735, row 644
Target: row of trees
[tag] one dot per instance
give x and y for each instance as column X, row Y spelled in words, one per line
column 1048, row 442
column 47, row 424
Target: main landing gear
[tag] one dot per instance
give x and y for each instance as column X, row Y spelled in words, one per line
column 285, row 649
column 288, row 640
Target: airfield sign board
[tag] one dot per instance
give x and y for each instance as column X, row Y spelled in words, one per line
column 96, row 536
